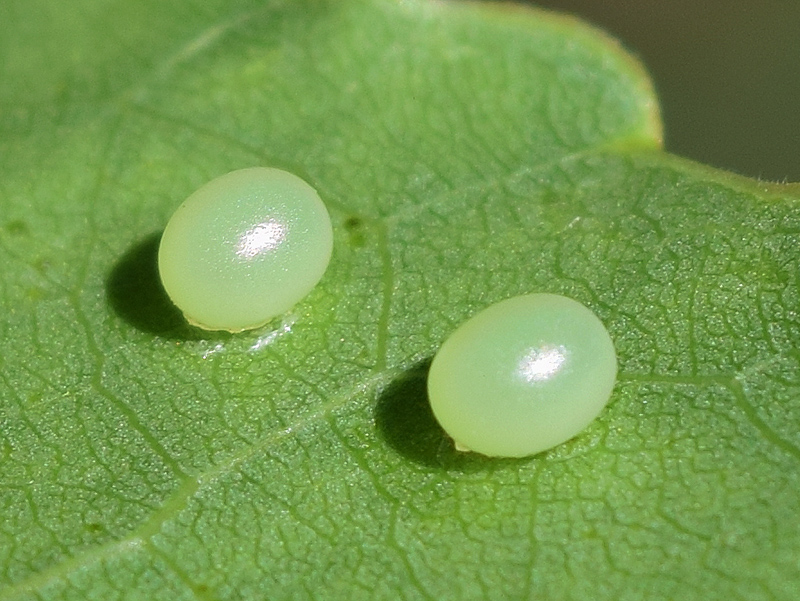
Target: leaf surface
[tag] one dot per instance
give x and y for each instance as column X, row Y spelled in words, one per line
column 467, row 153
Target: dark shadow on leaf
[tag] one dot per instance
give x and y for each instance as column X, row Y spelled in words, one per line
column 135, row 294
column 406, row 422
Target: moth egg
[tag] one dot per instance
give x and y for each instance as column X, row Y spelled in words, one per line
column 244, row 248
column 522, row 376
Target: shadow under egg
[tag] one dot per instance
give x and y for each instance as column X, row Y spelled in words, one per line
column 135, row 294
column 405, row 421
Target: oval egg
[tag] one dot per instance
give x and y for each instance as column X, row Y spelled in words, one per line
column 522, row 376
column 244, row 248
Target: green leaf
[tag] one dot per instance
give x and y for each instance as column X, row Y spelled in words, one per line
column 467, row 153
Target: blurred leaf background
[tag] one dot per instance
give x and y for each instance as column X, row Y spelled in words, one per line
column 727, row 74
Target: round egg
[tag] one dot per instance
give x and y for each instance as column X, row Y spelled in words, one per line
column 244, row 248
column 522, row 376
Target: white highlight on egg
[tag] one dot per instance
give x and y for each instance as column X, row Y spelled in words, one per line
column 261, row 238
column 542, row 363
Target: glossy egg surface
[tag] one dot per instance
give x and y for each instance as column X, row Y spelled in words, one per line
column 244, row 248
column 522, row 376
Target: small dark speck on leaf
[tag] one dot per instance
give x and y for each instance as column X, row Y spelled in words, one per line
column 355, row 229
column 353, row 223
column 17, row 228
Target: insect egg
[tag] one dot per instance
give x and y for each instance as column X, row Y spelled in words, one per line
column 522, row 376
column 244, row 248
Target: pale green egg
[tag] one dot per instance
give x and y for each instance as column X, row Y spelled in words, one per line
column 522, row 376
column 244, row 248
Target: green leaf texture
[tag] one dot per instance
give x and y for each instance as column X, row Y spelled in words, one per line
column 467, row 153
